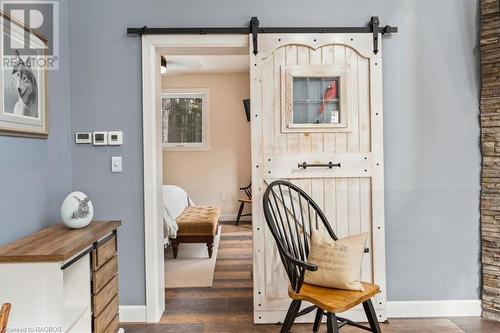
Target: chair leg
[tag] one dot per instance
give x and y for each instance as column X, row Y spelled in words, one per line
column 317, row 320
column 210, row 246
column 372, row 316
column 290, row 316
column 331, row 323
column 239, row 213
column 175, row 248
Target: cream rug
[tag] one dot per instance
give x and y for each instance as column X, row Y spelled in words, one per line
column 192, row 268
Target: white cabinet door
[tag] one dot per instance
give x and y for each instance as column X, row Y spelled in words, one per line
column 317, row 98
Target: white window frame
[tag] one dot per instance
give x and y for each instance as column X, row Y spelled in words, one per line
column 288, row 73
column 202, row 93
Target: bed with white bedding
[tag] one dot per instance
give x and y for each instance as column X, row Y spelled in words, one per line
column 175, row 200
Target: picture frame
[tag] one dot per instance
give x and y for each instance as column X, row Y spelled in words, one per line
column 23, row 86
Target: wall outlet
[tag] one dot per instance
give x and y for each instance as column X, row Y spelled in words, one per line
column 222, row 196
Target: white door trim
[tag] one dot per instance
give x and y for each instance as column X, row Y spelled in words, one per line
column 152, row 154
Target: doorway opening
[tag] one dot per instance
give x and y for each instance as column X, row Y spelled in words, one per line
column 205, row 152
column 206, row 160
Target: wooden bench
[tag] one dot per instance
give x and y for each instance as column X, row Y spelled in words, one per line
column 197, row 224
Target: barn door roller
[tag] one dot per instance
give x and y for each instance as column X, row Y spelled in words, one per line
column 254, row 29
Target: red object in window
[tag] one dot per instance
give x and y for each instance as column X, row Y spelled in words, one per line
column 330, row 94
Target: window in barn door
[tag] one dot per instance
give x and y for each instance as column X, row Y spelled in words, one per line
column 314, row 98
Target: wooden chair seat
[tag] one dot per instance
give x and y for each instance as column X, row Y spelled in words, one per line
column 245, row 200
column 333, row 300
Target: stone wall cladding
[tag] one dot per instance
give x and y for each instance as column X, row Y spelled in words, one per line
column 490, row 147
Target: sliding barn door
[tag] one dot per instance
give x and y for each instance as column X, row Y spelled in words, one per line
column 317, row 121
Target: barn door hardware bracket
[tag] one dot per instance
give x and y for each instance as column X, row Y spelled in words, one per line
column 374, row 26
column 254, row 28
column 143, row 30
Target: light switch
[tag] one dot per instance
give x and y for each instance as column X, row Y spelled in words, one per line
column 116, row 164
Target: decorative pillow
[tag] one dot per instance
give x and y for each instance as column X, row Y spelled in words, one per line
column 339, row 262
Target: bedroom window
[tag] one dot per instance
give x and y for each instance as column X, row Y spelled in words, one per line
column 185, row 119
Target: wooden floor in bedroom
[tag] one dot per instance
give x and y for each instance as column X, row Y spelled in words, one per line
column 227, row 306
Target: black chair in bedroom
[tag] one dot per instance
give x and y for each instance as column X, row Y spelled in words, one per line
column 248, row 200
column 291, row 214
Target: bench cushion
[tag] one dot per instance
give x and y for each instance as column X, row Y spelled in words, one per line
column 198, row 221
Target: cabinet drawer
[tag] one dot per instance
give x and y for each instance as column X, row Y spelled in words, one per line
column 103, row 297
column 103, row 252
column 102, row 321
column 114, row 326
column 101, row 277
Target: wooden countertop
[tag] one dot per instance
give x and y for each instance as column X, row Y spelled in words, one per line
column 55, row 243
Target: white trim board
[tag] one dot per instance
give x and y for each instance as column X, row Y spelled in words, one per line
column 446, row 308
column 395, row 309
column 132, row 313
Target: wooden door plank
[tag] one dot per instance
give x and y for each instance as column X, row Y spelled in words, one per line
column 364, row 105
column 342, row 211
column 268, row 127
column 305, row 142
column 330, row 202
column 279, row 138
column 339, row 58
column 366, row 226
column 354, row 219
column 327, row 54
column 292, row 139
column 258, row 222
column 316, row 137
column 353, row 100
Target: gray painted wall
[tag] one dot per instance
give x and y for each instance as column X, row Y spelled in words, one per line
column 35, row 174
column 431, row 92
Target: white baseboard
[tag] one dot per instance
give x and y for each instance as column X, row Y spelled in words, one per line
column 398, row 309
column 419, row 309
column 132, row 313
column 232, row 217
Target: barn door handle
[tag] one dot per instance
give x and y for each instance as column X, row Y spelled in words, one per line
column 329, row 165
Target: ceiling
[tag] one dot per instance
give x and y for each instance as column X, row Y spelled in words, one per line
column 202, row 63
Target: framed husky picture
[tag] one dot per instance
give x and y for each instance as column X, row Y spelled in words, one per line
column 23, row 83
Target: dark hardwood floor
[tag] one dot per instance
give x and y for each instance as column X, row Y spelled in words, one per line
column 227, row 306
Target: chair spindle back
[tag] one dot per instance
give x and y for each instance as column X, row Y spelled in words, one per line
column 291, row 215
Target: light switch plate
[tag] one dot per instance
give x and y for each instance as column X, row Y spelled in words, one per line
column 116, row 164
